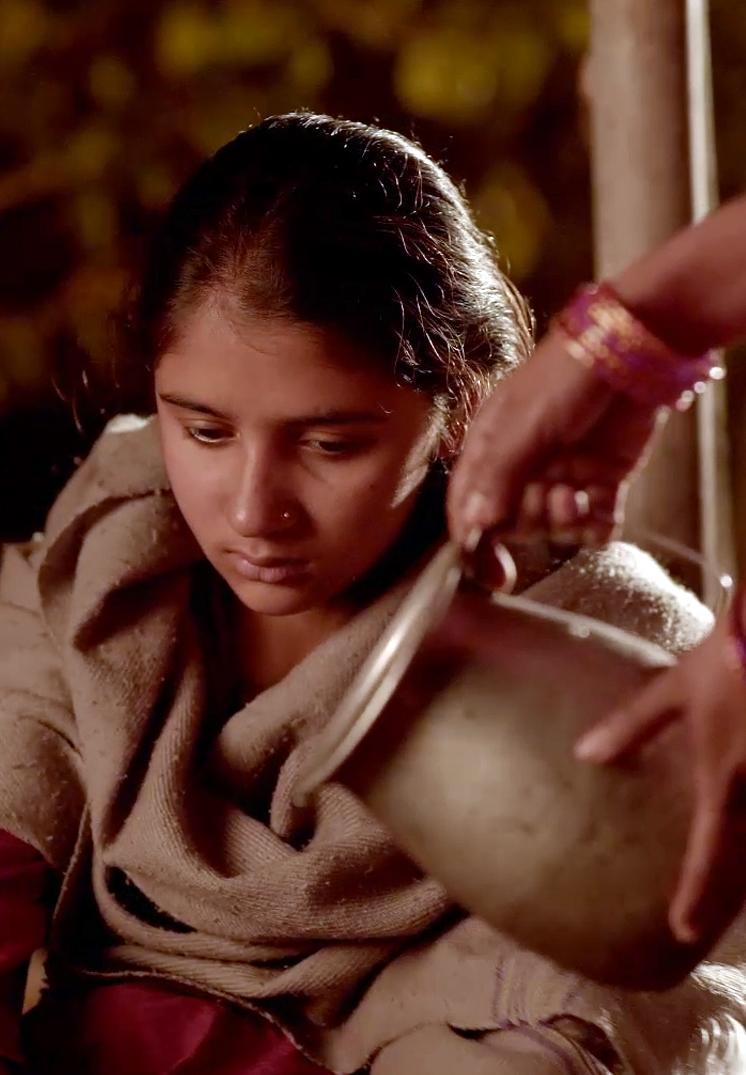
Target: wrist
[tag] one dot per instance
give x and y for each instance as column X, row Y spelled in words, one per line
column 561, row 367
column 689, row 290
column 664, row 310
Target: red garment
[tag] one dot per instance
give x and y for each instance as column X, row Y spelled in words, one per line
column 123, row 1028
column 23, row 874
column 141, row 1028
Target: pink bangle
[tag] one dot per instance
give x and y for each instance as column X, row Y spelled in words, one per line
column 604, row 335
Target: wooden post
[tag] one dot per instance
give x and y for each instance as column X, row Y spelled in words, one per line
column 640, row 164
column 717, row 529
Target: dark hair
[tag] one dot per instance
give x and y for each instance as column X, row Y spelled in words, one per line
column 342, row 225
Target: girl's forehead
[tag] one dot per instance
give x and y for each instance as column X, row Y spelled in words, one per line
column 278, row 368
column 215, row 326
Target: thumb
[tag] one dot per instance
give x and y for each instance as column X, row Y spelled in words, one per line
column 627, row 728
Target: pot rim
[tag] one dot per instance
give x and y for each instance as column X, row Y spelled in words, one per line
column 382, row 671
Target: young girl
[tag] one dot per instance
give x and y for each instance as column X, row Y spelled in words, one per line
column 319, row 318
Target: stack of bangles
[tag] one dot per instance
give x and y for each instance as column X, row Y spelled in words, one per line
column 605, row 336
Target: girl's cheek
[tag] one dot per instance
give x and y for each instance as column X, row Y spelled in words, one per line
column 373, row 491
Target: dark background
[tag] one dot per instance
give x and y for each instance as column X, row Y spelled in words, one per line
column 105, row 108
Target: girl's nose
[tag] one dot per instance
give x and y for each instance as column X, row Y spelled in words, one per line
column 263, row 502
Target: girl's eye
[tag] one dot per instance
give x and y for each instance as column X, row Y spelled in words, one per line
column 331, row 447
column 206, row 434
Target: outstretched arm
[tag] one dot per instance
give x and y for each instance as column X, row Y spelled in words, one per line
column 555, row 427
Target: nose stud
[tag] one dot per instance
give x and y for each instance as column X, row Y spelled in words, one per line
column 286, row 518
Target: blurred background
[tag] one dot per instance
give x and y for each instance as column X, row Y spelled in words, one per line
column 106, row 107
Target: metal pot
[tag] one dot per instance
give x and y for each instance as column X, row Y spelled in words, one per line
column 457, row 733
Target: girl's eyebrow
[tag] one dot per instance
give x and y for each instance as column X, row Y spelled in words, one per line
column 341, row 418
column 325, row 417
column 191, row 405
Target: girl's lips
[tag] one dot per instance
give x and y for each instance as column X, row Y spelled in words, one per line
column 275, row 572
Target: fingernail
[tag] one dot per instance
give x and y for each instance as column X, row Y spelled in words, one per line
column 582, row 503
column 507, row 564
column 474, row 509
column 593, row 746
column 685, row 931
column 472, row 539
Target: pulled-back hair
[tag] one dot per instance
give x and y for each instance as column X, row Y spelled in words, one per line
column 341, row 225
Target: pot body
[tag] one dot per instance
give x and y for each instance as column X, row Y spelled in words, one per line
column 470, row 767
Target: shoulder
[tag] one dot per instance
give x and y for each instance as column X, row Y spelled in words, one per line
column 113, row 528
column 624, row 586
column 125, row 462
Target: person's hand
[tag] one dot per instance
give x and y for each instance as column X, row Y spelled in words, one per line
column 707, row 690
column 549, row 454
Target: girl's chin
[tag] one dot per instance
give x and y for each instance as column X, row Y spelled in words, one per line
column 272, row 599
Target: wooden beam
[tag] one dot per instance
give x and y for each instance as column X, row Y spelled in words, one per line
column 640, row 165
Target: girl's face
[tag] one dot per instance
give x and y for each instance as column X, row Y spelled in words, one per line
column 294, row 461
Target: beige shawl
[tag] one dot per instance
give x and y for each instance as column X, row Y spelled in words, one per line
column 115, row 766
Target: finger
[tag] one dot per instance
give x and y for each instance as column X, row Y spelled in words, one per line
column 600, row 529
column 567, row 512
column 623, row 438
column 602, row 500
column 481, row 494
column 478, row 509
column 578, row 516
column 626, row 729
column 603, row 518
column 701, row 854
column 492, row 566
column 531, row 519
column 581, row 470
column 606, row 511
column 506, row 572
column 566, row 507
column 562, row 515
